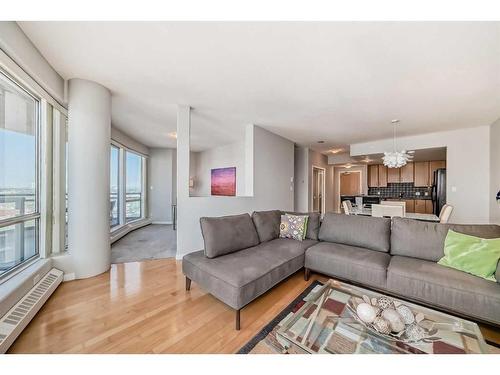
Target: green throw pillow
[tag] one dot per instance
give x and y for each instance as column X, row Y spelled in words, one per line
column 293, row 226
column 474, row 255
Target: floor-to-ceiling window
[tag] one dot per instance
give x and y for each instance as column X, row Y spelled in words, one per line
column 127, row 181
column 133, row 186
column 114, row 186
column 19, row 175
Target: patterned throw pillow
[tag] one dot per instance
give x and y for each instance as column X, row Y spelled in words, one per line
column 293, row 226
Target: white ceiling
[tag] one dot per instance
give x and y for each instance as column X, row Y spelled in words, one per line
column 338, row 82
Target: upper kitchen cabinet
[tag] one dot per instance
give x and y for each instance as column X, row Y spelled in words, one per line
column 373, row 175
column 377, row 175
column 393, row 175
column 421, row 173
column 406, row 174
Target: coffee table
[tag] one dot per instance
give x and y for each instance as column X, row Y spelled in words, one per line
column 326, row 324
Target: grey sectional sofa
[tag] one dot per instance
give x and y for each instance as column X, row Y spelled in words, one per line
column 243, row 258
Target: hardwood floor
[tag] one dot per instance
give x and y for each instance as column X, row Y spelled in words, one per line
column 143, row 307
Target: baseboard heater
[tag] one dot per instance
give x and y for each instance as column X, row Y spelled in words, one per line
column 18, row 317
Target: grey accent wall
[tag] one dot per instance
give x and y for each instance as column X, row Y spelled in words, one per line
column 301, row 179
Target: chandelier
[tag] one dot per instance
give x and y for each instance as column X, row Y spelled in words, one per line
column 396, row 159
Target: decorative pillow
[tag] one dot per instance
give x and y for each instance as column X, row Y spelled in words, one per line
column 293, row 226
column 313, row 223
column 474, row 255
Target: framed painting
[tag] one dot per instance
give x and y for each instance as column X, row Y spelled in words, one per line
column 224, row 181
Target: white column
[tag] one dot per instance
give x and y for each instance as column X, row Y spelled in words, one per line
column 89, row 135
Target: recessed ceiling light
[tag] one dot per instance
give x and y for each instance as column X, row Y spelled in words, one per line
column 321, row 141
column 172, row 135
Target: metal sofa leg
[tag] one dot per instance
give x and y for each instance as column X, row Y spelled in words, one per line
column 188, row 283
column 307, row 273
column 238, row 320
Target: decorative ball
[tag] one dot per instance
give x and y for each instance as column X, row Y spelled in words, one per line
column 382, row 325
column 366, row 312
column 414, row 332
column 385, row 303
column 394, row 319
column 406, row 314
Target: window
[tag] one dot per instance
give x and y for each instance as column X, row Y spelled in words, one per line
column 114, row 186
column 19, row 166
column 133, row 186
column 126, row 186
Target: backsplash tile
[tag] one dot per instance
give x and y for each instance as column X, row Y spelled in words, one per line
column 394, row 190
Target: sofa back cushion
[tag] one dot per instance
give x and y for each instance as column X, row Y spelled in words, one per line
column 424, row 240
column 313, row 223
column 227, row 234
column 369, row 232
column 267, row 224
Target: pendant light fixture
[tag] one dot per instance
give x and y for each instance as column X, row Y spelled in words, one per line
column 396, row 159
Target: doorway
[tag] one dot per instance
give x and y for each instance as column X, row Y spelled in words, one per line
column 350, row 183
column 318, row 190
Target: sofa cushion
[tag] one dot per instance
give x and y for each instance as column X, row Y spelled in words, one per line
column 371, row 232
column 444, row 287
column 240, row 277
column 224, row 235
column 267, row 224
column 424, row 240
column 349, row 262
column 313, row 223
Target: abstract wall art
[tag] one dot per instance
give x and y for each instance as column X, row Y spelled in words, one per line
column 224, row 181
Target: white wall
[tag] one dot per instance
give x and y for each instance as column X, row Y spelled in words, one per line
column 19, row 48
column 272, row 179
column 160, row 182
column 202, row 163
column 127, row 141
column 495, row 171
column 467, row 163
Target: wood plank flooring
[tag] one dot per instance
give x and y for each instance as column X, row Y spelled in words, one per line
column 142, row 307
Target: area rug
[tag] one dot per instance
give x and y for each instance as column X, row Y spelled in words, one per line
column 265, row 341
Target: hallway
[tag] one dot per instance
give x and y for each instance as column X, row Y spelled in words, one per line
column 155, row 241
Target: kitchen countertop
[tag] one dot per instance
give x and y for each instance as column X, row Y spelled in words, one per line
column 408, row 215
column 419, row 197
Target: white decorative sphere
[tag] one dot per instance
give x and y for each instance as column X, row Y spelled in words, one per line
column 406, row 314
column 394, row 319
column 366, row 312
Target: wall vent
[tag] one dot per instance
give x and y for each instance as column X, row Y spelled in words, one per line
column 18, row 317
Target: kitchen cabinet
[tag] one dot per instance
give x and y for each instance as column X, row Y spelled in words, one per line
column 373, row 175
column 433, row 165
column 410, row 205
column 382, row 175
column 393, row 175
column 406, row 173
column 421, row 178
column 429, row 209
column 420, row 207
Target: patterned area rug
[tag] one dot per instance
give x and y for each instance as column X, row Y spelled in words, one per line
column 265, row 341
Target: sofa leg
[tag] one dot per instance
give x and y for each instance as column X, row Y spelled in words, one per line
column 307, row 273
column 188, row 283
column 238, row 320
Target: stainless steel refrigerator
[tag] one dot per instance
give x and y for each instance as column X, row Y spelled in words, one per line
column 439, row 190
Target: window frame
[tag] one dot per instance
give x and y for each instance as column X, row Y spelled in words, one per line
column 35, row 216
column 120, row 188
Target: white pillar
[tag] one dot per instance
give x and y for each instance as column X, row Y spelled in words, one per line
column 89, row 135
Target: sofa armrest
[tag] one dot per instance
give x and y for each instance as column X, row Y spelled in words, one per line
column 497, row 274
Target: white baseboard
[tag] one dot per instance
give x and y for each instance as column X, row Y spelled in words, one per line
column 69, row 276
column 127, row 228
column 162, row 222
